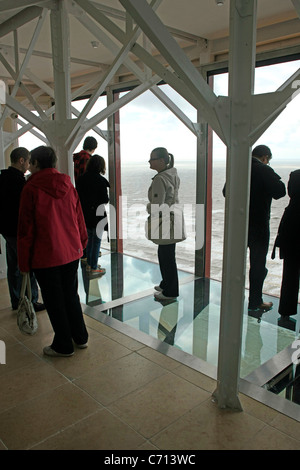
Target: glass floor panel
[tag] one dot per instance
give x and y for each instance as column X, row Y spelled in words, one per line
column 190, row 324
column 125, row 276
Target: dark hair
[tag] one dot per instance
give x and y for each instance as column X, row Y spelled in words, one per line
column 90, row 143
column 262, row 151
column 45, row 156
column 162, row 152
column 96, row 164
column 19, row 152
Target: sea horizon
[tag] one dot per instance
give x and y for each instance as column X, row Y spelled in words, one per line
column 137, row 177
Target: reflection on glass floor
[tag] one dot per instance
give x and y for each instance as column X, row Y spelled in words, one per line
column 191, row 323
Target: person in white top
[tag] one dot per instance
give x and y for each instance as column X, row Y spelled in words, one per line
column 165, row 225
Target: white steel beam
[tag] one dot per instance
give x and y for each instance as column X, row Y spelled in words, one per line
column 108, row 76
column 296, row 4
column 16, row 47
column 268, row 106
column 44, row 87
column 162, row 72
column 99, row 34
column 10, row 137
column 7, row 5
column 60, row 38
column 58, row 130
column 114, row 30
column 105, row 40
column 26, row 59
column 115, row 106
column 29, row 95
column 19, row 20
column 175, row 110
column 18, row 108
column 238, row 171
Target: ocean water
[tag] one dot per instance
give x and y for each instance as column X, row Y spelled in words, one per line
column 136, row 179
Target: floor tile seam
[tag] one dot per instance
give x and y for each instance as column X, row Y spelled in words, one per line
column 193, row 383
column 242, row 412
column 278, row 428
column 63, row 428
column 42, row 362
column 155, row 362
column 51, row 363
column 17, row 341
column 123, row 421
column 135, row 390
column 147, row 441
column 107, row 363
column 60, row 431
column 16, row 369
column 33, row 398
column 200, row 405
column 179, row 418
column 143, row 346
column 4, row 445
column 108, row 336
column 261, row 431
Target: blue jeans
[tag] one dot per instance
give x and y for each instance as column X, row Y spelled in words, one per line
column 92, row 248
column 14, row 277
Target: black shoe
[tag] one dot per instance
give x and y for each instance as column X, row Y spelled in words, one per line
column 38, row 306
column 255, row 314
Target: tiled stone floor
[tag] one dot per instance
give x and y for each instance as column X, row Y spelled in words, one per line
column 119, row 394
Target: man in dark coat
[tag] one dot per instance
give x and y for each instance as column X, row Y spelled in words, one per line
column 289, row 249
column 265, row 186
column 12, row 182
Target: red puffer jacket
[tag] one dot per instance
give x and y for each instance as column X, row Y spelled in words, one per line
column 51, row 230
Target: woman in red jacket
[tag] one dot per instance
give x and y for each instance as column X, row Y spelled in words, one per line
column 51, row 238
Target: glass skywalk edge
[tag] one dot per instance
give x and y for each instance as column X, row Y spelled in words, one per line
column 187, row 328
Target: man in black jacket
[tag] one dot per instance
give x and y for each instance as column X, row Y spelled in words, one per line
column 265, row 186
column 12, row 182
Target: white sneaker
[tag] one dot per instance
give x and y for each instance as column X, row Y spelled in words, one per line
column 82, row 346
column 48, row 351
column 161, row 296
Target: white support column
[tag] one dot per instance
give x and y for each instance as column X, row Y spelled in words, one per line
column 114, row 167
column 201, row 198
column 2, row 241
column 57, row 131
column 241, row 78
